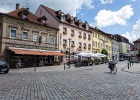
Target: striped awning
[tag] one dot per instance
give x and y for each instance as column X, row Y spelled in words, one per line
column 36, row 52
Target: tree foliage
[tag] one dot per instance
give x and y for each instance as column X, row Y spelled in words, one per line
column 104, row 52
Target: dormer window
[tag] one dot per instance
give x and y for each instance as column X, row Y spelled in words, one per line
column 71, row 21
column 62, row 18
column 86, row 27
column 25, row 16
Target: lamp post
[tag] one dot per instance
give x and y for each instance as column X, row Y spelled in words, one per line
column 69, row 51
column 35, row 58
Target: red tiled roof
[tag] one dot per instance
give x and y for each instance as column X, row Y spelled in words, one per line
column 31, row 17
column 137, row 41
column 55, row 15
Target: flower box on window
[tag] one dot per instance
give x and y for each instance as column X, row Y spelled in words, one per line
column 80, row 46
column 85, row 47
column 64, row 44
column 72, row 34
column 64, row 32
column 88, row 47
column 80, row 36
column 89, row 38
column 84, row 37
column 73, row 45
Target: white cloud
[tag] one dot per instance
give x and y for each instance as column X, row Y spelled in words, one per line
column 106, row 1
column 133, row 0
column 67, row 6
column 106, row 18
column 135, row 34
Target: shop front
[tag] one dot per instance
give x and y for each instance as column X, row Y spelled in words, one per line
column 34, row 57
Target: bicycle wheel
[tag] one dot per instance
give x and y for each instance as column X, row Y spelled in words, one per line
column 114, row 70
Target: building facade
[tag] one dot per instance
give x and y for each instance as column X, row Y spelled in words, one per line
column 74, row 36
column 124, row 47
column 28, row 37
column 136, row 45
column 115, row 47
column 101, row 40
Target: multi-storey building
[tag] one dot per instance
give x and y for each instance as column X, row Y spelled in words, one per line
column 124, row 46
column 101, row 40
column 73, row 36
column 24, row 35
column 136, row 45
column 115, row 47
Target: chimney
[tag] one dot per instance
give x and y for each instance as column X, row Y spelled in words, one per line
column 17, row 6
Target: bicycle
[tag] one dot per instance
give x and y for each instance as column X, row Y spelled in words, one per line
column 113, row 68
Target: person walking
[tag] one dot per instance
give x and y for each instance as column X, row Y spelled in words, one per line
column 18, row 64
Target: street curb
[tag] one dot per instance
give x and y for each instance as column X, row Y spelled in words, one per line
column 123, row 69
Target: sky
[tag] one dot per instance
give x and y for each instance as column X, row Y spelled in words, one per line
column 111, row 16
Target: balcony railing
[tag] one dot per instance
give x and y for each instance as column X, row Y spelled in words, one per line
column 80, row 36
column 89, row 38
column 64, row 32
column 73, row 45
column 84, row 37
column 80, row 46
column 64, row 44
column 72, row 34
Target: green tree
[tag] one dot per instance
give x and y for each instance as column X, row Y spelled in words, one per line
column 104, row 52
column 139, row 52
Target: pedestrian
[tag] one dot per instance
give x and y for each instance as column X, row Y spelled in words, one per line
column 18, row 64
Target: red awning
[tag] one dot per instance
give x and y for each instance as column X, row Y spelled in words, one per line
column 36, row 52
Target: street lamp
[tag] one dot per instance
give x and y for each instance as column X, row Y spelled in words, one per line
column 35, row 58
column 69, row 51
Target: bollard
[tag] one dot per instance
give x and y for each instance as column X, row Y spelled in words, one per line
column 64, row 66
column 128, row 65
column 132, row 63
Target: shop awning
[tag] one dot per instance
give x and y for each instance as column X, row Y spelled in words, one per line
column 36, row 52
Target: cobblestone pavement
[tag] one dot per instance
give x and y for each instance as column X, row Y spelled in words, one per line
column 85, row 83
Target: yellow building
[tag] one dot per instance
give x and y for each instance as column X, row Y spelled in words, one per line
column 101, row 40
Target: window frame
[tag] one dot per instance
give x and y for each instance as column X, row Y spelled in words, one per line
column 15, row 33
column 43, row 38
column 51, row 38
column 37, row 37
column 22, row 35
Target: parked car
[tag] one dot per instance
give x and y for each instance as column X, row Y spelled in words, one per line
column 121, row 59
column 4, row 67
column 134, row 60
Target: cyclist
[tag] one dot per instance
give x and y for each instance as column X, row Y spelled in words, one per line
column 112, row 64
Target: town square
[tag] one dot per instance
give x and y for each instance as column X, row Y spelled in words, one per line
column 69, row 50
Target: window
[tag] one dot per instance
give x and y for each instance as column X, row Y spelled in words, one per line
column 44, row 39
column 62, row 18
column 80, row 44
column 52, row 40
column 25, row 16
column 35, row 37
column 13, row 33
column 93, row 43
column 72, row 21
column 72, row 31
column 24, row 36
column 98, row 36
column 84, row 34
column 88, row 36
column 80, row 34
column 64, row 29
column 72, row 42
column 98, row 45
column 84, row 44
column 89, row 45
column 93, row 34
column 64, row 41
